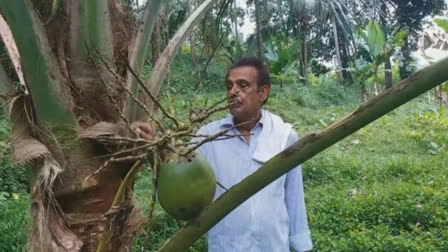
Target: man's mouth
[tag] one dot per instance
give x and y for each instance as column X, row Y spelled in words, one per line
column 234, row 104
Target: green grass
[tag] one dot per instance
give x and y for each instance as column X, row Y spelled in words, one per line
column 383, row 188
column 163, row 225
column 14, row 223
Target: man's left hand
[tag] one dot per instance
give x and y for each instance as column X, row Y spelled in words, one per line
column 144, row 130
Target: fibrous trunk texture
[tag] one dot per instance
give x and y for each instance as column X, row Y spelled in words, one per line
column 70, row 207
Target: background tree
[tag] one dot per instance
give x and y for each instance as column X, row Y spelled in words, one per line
column 409, row 16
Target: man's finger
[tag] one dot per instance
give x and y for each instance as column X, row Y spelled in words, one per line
column 146, row 129
column 146, row 136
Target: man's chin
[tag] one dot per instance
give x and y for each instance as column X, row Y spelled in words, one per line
column 236, row 112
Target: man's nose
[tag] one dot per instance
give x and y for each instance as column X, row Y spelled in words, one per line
column 234, row 90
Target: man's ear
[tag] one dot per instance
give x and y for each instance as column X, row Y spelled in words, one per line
column 265, row 89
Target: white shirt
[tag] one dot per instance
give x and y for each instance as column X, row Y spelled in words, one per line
column 274, row 219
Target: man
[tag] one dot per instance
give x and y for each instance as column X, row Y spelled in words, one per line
column 274, row 219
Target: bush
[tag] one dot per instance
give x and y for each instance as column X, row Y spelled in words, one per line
column 320, row 93
column 13, row 178
column 14, row 223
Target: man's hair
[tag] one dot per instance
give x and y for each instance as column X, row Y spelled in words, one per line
column 263, row 77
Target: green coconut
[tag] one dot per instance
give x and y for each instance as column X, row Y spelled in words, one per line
column 186, row 186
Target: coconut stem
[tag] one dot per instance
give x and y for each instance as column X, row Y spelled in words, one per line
column 102, row 245
column 155, row 178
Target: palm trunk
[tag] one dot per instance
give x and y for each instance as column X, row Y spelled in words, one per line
column 193, row 43
column 375, row 81
column 387, row 66
column 68, row 209
column 156, row 43
column 345, row 60
column 305, row 61
column 406, row 52
column 304, row 50
column 258, row 25
column 364, row 94
column 388, row 73
column 235, row 21
column 338, row 50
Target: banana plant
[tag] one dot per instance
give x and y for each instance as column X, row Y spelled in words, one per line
column 373, row 41
column 281, row 55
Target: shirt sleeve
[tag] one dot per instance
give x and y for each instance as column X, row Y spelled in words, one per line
column 299, row 233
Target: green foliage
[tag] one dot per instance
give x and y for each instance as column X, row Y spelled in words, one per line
column 14, row 219
column 13, row 179
column 399, row 38
column 374, row 51
column 375, row 39
column 280, row 54
column 48, row 103
column 322, row 92
column 183, row 80
column 375, row 43
column 282, row 57
column 443, row 24
column 380, row 189
column 234, row 50
column 14, row 223
column 435, row 143
column 163, row 224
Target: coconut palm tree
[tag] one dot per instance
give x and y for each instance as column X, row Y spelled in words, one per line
column 79, row 60
column 335, row 11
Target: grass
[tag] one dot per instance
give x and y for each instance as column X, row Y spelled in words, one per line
column 14, row 223
column 384, row 188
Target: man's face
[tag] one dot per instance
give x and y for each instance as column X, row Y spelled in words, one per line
column 244, row 93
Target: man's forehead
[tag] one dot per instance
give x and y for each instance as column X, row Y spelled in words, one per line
column 242, row 72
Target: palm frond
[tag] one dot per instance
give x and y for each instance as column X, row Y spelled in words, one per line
column 140, row 52
column 162, row 65
column 43, row 79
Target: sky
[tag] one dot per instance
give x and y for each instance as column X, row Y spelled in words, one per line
column 248, row 26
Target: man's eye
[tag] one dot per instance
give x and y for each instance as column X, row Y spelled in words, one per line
column 243, row 85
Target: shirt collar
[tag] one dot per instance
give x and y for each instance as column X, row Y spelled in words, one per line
column 228, row 121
